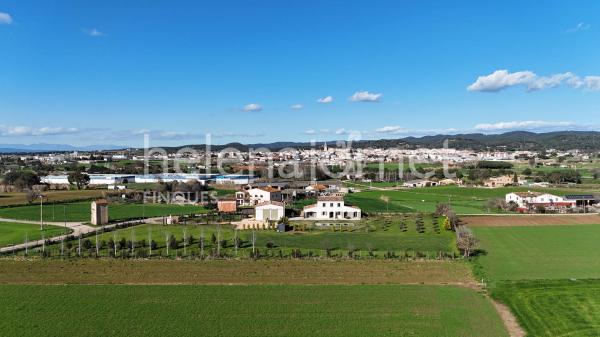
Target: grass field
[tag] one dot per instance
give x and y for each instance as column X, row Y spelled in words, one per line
column 19, row 198
column 291, row 271
column 380, row 235
column 554, row 307
column 539, row 252
column 464, row 200
column 80, row 211
column 13, row 233
column 276, row 310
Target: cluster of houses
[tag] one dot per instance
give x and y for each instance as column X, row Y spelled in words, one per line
column 527, row 202
column 269, row 202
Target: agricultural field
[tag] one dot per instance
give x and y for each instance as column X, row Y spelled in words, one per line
column 554, row 307
column 464, row 200
column 229, row 271
column 267, row 310
column 80, row 211
column 14, row 233
column 548, row 275
column 539, row 252
column 401, row 236
column 19, row 198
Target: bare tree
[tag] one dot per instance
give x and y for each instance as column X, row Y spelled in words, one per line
column 466, row 241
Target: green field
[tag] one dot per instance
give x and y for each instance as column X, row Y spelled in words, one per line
column 554, row 307
column 359, row 310
column 378, row 235
column 80, row 211
column 464, row 200
column 539, row 252
column 14, row 233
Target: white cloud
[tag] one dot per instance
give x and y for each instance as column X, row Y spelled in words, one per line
column 296, row 106
column 310, row 132
column 365, row 96
column 327, row 99
column 252, row 107
column 391, row 129
column 341, row 131
column 523, row 125
column 94, row 32
column 5, row 19
column 8, row 131
column 502, row 79
column 579, row 28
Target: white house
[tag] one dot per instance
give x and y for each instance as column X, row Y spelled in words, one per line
column 419, row 183
column 528, row 200
column 331, row 208
column 269, row 210
column 263, row 194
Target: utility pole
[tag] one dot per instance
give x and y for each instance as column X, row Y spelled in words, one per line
column 41, row 212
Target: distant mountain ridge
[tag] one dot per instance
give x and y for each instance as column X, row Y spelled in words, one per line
column 43, row 147
column 510, row 141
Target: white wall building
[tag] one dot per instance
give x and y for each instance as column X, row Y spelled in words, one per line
column 331, row 208
column 269, row 210
column 264, row 194
column 527, row 200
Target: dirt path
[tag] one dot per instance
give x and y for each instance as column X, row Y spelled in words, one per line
column 509, row 320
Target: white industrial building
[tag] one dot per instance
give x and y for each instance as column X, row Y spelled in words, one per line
column 331, row 208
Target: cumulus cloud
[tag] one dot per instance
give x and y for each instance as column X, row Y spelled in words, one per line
column 502, row 79
column 581, row 26
column 326, row 99
column 341, row 131
column 8, row 131
column 94, row 32
column 252, row 107
column 365, row 96
column 5, row 19
column 523, row 125
column 310, row 132
column 296, row 106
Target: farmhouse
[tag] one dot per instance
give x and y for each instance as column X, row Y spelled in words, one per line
column 269, row 211
column 227, row 205
column 263, row 194
column 331, row 207
column 419, row 183
column 526, row 201
column 501, row 181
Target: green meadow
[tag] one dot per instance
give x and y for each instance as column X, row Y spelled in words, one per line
column 261, row 311
column 539, row 252
column 464, row 200
column 15, row 233
column 81, row 211
column 549, row 276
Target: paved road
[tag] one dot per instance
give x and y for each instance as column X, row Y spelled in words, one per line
column 78, row 228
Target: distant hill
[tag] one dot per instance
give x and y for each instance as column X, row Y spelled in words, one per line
column 511, row 141
column 42, row 147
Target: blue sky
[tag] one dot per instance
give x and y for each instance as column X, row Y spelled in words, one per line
column 105, row 72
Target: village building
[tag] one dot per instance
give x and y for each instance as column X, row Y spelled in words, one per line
column 227, row 205
column 528, row 201
column 331, row 208
column 263, row 194
column 419, row 183
column 269, row 211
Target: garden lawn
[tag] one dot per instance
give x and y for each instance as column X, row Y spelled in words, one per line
column 464, row 200
column 15, row 233
column 81, row 211
column 280, row 310
column 554, row 307
column 539, row 252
